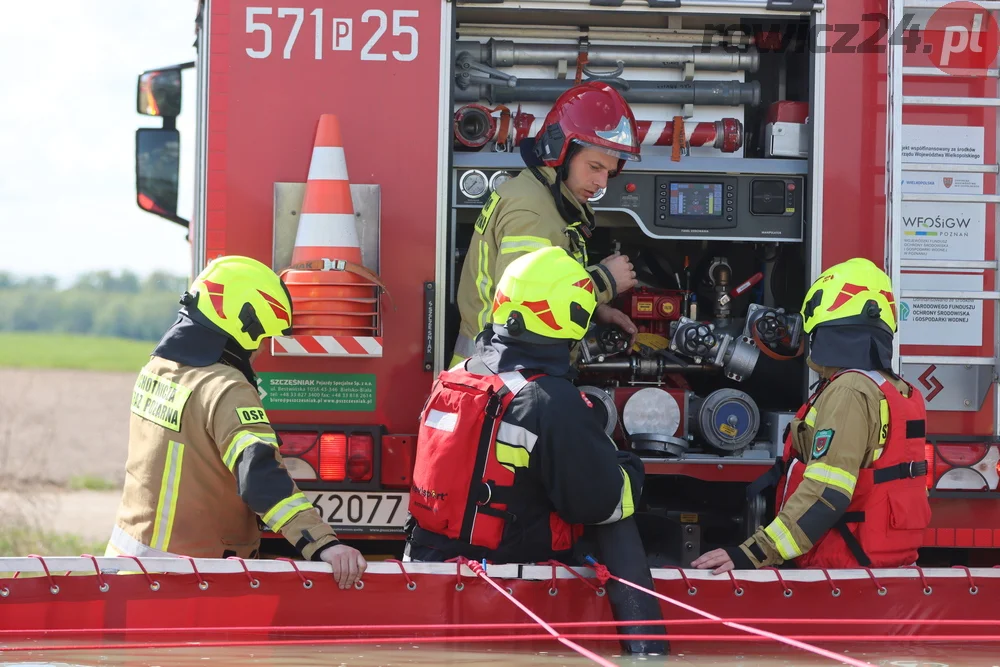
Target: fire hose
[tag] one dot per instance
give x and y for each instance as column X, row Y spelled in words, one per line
column 475, row 126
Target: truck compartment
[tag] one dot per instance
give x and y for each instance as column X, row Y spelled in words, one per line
column 719, row 369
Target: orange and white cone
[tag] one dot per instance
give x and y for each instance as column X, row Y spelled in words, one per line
column 328, row 298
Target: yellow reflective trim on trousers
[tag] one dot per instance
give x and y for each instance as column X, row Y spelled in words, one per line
column 241, row 441
column 810, row 419
column 827, row 474
column 511, row 456
column 484, row 284
column 783, row 540
column 166, row 505
column 284, row 510
column 511, row 244
column 628, row 506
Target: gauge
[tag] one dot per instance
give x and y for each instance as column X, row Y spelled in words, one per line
column 499, row 178
column 473, row 184
column 598, row 194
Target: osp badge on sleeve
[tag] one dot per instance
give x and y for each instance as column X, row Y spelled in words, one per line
column 821, row 442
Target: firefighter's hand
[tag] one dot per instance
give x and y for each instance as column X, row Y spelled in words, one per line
column 621, row 270
column 605, row 314
column 347, row 562
column 717, row 558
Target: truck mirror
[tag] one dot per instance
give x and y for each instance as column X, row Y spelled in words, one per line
column 157, row 167
column 159, row 93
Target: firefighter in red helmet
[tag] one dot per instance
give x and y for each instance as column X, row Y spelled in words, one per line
column 588, row 136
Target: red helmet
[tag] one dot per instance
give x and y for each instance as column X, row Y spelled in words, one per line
column 594, row 115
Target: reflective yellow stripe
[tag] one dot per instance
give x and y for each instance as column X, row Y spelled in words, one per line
column 511, row 456
column 484, row 284
column 241, row 441
column 628, row 507
column 783, row 540
column 511, row 244
column 827, row 474
column 284, row 510
column 811, row 417
column 167, row 504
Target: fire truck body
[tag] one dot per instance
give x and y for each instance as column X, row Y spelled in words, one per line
column 767, row 156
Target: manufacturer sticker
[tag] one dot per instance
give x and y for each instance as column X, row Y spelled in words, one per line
column 317, row 391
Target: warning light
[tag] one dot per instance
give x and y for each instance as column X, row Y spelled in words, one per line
column 630, row 187
column 791, row 186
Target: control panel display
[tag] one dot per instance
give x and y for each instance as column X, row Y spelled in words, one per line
column 687, row 199
column 704, row 205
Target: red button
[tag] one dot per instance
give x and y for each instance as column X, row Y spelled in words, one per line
column 791, row 186
column 630, row 187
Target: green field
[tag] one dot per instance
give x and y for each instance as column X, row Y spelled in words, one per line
column 92, row 353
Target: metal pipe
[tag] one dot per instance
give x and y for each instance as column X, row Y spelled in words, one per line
column 709, row 93
column 505, row 53
column 700, row 37
column 645, row 367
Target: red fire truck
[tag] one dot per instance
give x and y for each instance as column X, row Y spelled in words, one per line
column 778, row 137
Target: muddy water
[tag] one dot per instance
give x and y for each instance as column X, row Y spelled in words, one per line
column 414, row 655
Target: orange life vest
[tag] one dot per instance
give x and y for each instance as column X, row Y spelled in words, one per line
column 460, row 489
column 889, row 511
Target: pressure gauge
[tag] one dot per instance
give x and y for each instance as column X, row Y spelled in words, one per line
column 473, row 184
column 499, row 178
column 597, row 195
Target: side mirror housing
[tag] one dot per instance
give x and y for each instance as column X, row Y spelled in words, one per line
column 159, row 93
column 157, row 170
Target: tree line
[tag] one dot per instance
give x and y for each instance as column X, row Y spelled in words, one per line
column 98, row 303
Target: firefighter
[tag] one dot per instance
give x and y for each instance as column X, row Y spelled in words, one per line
column 544, row 466
column 203, row 461
column 587, row 137
column 851, row 489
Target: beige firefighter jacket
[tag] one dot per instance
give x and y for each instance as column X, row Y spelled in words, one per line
column 854, row 408
column 520, row 216
column 203, row 465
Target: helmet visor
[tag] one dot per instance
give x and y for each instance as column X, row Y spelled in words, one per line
column 615, row 153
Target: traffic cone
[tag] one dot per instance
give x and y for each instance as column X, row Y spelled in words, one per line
column 332, row 293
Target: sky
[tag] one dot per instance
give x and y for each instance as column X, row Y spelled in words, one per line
column 67, row 135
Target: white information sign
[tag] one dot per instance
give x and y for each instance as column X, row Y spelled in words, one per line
column 944, row 322
column 943, row 230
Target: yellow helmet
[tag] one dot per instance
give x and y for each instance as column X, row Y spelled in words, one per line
column 852, row 292
column 547, row 293
column 243, row 298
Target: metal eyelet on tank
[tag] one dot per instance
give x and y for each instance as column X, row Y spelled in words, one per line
column 54, row 589
column 255, row 583
column 882, row 590
column 692, row 591
column 4, row 592
column 104, row 588
column 359, row 585
column 553, row 591
column 460, row 586
column 974, row 590
column 601, row 592
column 835, row 592
column 412, row 585
column 155, row 586
column 510, row 591
column 787, row 592
column 739, row 592
column 203, row 585
column 928, row 590
column 307, row 583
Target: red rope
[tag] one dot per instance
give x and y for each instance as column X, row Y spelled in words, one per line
column 478, row 569
column 521, row 637
column 603, row 575
column 492, row 626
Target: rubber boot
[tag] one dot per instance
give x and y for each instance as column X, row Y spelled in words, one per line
column 620, row 549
